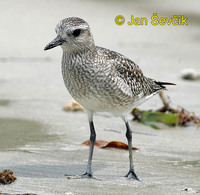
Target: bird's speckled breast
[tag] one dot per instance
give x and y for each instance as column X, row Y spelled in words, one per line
column 93, row 85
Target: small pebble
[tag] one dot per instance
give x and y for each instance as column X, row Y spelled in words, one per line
column 190, row 190
column 72, row 106
column 190, row 74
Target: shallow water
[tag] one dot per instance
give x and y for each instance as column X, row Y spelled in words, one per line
column 20, row 132
column 4, row 102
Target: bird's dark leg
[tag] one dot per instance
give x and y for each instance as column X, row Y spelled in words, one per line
column 88, row 173
column 131, row 174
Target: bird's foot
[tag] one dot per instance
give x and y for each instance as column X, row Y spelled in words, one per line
column 85, row 175
column 132, row 175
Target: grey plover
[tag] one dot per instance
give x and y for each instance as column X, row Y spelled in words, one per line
column 101, row 80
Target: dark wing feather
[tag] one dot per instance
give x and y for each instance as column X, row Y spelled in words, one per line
column 133, row 76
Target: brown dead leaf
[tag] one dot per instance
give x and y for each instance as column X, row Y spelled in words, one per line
column 105, row 144
column 6, row 177
column 116, row 144
column 98, row 143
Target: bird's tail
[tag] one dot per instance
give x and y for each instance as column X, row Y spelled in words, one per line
column 162, row 84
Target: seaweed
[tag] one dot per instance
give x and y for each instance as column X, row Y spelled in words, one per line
column 166, row 115
column 7, row 177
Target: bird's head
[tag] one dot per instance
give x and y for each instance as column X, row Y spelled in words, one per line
column 73, row 34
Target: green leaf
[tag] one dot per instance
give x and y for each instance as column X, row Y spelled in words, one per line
column 151, row 124
column 166, row 118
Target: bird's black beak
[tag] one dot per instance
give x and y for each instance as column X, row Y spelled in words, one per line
column 57, row 41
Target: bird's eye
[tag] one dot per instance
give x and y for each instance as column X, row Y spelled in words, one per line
column 76, row 32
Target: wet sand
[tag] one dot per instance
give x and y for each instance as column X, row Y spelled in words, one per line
column 40, row 143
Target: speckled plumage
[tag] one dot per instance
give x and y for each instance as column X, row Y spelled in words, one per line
column 104, row 80
column 100, row 79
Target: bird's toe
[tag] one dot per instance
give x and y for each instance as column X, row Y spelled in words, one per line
column 132, row 175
